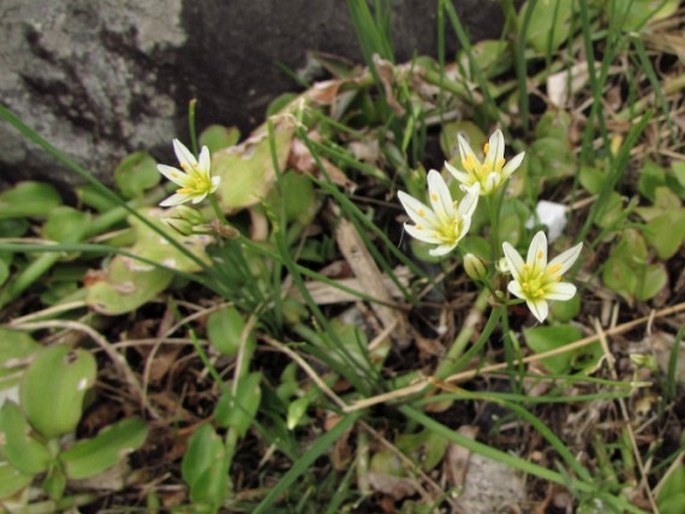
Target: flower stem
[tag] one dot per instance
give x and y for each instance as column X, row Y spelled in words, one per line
column 217, row 210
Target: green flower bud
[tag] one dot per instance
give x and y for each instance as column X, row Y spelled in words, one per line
column 475, row 267
column 192, row 216
column 181, row 226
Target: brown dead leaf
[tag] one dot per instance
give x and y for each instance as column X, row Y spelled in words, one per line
column 386, row 72
column 370, row 278
column 301, row 159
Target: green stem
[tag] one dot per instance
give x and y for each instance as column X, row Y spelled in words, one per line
column 217, row 210
column 453, row 362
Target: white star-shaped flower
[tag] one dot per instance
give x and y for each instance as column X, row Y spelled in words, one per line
column 492, row 172
column 194, row 177
column 446, row 221
column 536, row 281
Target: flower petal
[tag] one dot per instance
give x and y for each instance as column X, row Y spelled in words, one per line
column 175, row 199
column 515, row 289
column 539, row 308
column 491, row 182
column 422, row 234
column 184, row 155
column 417, row 211
column 198, row 198
column 215, row 184
column 440, row 197
column 565, row 260
column 173, row 174
column 468, row 204
column 205, row 160
column 560, row 291
column 537, row 252
column 514, row 260
column 462, row 177
column 442, row 249
column 496, row 148
column 511, row 166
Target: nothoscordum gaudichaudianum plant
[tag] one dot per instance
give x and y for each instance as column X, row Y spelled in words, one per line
column 446, row 221
column 536, row 281
column 194, row 177
column 492, row 172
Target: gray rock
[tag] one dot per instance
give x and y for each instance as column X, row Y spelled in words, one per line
column 102, row 78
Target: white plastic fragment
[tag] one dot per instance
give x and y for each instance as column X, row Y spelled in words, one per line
column 551, row 214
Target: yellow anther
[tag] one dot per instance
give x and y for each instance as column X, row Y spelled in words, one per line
column 486, row 148
column 499, row 164
column 421, row 212
column 554, row 268
column 434, row 197
column 540, row 254
column 468, row 162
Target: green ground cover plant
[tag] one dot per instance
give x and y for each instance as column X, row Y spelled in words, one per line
column 453, row 284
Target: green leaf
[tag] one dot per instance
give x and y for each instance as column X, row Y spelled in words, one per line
column 90, row 457
column 672, row 492
column 651, row 176
column 566, row 311
column 492, row 55
column 239, row 411
column 28, row 200
column 218, row 137
column 53, row 389
column 224, row 328
column 297, row 193
column 544, row 339
column 55, row 483
column 449, row 142
column 20, row 449
column 12, row 480
column 551, row 159
column 592, row 179
column 203, row 467
column 136, row 173
column 666, row 233
column 66, row 225
column 654, row 280
column 549, row 24
column 246, row 170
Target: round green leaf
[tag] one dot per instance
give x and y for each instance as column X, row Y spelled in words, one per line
column 20, row 449
column 218, row 137
column 53, row 389
column 136, row 173
column 93, row 456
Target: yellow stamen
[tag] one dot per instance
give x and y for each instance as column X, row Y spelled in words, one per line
column 486, row 148
column 540, row 254
column 434, row 197
column 421, row 212
column 499, row 164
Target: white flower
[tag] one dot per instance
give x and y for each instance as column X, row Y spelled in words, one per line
column 492, row 172
column 194, row 177
column 446, row 221
column 537, row 281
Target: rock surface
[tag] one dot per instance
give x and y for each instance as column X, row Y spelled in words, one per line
column 102, row 78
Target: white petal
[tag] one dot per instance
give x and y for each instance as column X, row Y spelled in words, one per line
column 566, row 259
column 560, row 291
column 183, row 154
column 512, row 165
column 462, row 177
column 515, row 289
column 514, row 260
column 198, row 198
column 468, row 204
column 427, row 236
column 440, row 197
column 491, row 183
column 442, row 250
column 175, row 199
column 465, row 148
column 496, row 150
column 173, row 174
column 417, row 211
column 205, row 160
column 539, row 308
column 537, row 252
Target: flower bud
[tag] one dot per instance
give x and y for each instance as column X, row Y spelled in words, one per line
column 192, row 216
column 475, row 267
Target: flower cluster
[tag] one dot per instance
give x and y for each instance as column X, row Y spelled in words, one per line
column 446, row 222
